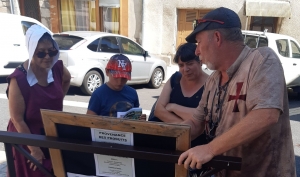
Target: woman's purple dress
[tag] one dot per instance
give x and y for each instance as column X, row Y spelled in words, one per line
column 36, row 97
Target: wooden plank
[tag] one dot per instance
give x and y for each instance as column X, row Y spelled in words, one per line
column 278, row 26
column 55, row 15
column 180, row 171
column 124, row 17
column 98, row 20
column 50, row 118
column 111, row 123
column 21, row 6
column 180, row 27
column 55, row 154
column 182, row 144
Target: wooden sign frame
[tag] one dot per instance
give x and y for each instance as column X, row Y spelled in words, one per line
column 51, row 118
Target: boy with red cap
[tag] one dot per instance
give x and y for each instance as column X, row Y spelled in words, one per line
column 115, row 96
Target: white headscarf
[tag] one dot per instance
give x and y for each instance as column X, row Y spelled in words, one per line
column 33, row 35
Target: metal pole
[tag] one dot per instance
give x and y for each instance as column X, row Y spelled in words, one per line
column 10, row 160
column 246, row 23
column 12, row 9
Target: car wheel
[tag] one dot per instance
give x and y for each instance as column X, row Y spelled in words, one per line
column 92, row 80
column 156, row 78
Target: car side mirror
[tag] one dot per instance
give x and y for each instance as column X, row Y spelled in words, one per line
column 145, row 54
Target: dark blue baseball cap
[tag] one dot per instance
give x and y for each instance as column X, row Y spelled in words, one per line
column 219, row 18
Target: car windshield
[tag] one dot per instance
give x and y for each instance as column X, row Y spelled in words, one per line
column 66, row 42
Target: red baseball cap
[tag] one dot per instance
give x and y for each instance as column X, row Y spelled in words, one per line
column 119, row 66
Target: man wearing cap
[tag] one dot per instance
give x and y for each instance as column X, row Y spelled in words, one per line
column 115, row 96
column 244, row 107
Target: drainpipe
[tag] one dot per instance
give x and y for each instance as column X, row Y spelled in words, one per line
column 143, row 23
column 12, row 11
column 246, row 23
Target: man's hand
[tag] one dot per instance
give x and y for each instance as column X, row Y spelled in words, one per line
column 196, row 157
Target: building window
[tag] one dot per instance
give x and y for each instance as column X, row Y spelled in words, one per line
column 109, row 11
column 295, row 50
column 130, row 47
column 283, row 47
column 30, row 8
column 262, row 23
column 110, row 45
column 78, row 15
column 110, row 19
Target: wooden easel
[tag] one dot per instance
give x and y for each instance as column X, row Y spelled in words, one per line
column 52, row 118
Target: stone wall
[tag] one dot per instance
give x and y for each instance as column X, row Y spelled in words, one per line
column 4, row 6
column 44, row 8
column 45, row 13
column 135, row 17
column 160, row 21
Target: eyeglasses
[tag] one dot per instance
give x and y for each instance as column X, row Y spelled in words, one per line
column 51, row 53
column 199, row 21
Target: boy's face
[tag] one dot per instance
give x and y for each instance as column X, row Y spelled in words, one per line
column 114, row 83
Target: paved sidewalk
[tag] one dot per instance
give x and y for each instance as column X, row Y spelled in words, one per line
column 2, row 164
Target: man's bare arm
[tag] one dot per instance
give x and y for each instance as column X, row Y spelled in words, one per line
column 253, row 125
column 197, row 127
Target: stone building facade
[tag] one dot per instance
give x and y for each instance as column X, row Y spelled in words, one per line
column 44, row 7
column 160, row 26
column 160, row 21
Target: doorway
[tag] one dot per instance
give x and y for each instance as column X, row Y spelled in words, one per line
column 186, row 18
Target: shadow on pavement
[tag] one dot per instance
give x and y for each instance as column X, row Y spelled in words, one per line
column 140, row 86
column 75, row 91
column 3, row 168
column 2, row 80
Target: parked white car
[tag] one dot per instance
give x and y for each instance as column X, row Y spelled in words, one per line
column 86, row 53
column 12, row 41
column 287, row 49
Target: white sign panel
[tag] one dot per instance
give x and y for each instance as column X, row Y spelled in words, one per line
column 108, row 136
column 112, row 166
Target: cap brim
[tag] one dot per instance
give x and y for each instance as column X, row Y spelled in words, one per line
column 191, row 38
column 121, row 74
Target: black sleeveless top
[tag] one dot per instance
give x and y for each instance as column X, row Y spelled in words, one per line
column 177, row 97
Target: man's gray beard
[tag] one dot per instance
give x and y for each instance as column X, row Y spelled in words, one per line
column 210, row 66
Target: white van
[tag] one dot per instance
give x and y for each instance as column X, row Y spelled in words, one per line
column 13, row 49
column 287, row 49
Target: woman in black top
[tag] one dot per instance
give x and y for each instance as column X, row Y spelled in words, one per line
column 183, row 91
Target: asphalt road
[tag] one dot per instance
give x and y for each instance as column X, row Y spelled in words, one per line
column 76, row 102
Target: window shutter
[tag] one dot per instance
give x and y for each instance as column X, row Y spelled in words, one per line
column 191, row 15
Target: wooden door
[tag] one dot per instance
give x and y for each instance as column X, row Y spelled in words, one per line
column 30, row 8
column 185, row 22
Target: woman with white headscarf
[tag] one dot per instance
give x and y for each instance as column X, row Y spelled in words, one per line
column 41, row 82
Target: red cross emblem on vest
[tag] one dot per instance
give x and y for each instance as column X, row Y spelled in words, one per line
column 237, row 97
